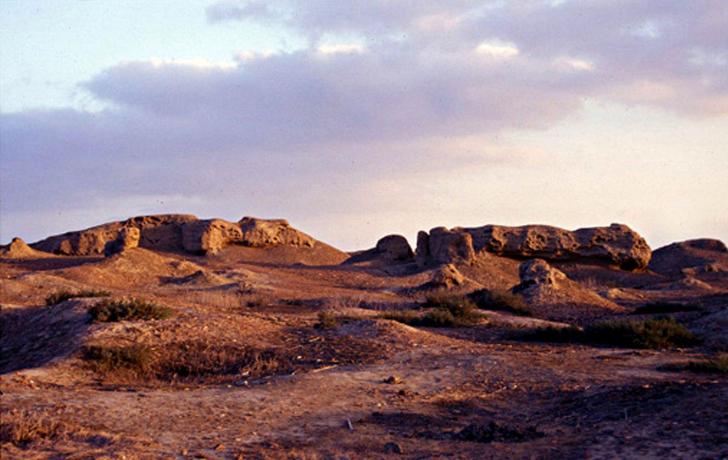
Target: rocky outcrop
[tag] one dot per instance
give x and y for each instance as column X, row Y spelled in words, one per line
column 175, row 232
column 443, row 246
column 261, row 232
column 690, row 258
column 394, row 248
column 445, row 277
column 160, row 232
column 209, row 236
column 391, row 249
column 128, row 238
column 539, row 272
column 614, row 245
column 551, row 294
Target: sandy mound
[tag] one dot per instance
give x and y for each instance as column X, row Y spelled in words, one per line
column 133, row 267
column 550, row 294
column 319, row 254
column 690, row 257
column 18, row 249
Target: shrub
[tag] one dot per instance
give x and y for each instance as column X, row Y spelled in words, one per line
column 326, row 320
column 198, row 359
column 446, row 311
column 187, row 361
column 133, row 359
column 500, row 299
column 61, row 296
column 129, row 309
column 663, row 308
column 715, row 365
column 22, row 427
column 654, row 333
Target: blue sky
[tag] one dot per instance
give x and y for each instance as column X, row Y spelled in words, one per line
column 50, row 46
column 358, row 119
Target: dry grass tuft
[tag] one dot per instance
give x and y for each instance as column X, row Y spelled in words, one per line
column 715, row 365
column 23, row 427
column 128, row 309
column 657, row 333
column 446, row 310
column 500, row 299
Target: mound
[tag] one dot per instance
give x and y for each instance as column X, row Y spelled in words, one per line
column 318, row 254
column 690, row 257
column 390, row 249
column 133, row 267
column 177, row 233
column 614, row 245
column 18, row 249
column 550, row 294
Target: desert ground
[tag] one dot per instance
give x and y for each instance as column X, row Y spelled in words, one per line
column 175, row 337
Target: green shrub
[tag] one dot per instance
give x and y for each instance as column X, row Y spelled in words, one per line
column 715, row 365
column 61, row 296
column 663, row 308
column 132, row 359
column 500, row 299
column 128, row 309
column 446, row 311
column 653, row 333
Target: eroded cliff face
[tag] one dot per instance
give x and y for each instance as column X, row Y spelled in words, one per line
column 175, row 232
column 615, row 245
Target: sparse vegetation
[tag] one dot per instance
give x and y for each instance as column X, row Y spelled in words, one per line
column 132, row 360
column 446, row 311
column 22, row 427
column 500, row 299
column 185, row 361
column 198, row 359
column 715, row 365
column 61, row 296
column 128, row 309
column 665, row 307
column 326, row 320
column 654, row 333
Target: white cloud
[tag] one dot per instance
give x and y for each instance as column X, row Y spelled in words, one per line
column 497, row 49
column 196, row 63
column 341, row 48
column 574, row 64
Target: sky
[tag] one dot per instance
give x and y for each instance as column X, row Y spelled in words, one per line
column 357, row 119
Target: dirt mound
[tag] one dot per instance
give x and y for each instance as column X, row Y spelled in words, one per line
column 32, row 337
column 551, row 294
column 133, row 267
column 690, row 257
column 18, row 249
column 319, row 254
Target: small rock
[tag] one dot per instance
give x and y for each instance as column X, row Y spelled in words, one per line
column 393, row 380
column 220, row 447
column 392, row 448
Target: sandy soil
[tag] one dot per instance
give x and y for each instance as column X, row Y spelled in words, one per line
column 365, row 387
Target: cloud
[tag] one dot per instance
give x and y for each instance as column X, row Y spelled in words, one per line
column 497, row 49
column 385, row 85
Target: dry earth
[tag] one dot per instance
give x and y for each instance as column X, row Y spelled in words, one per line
column 246, row 366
